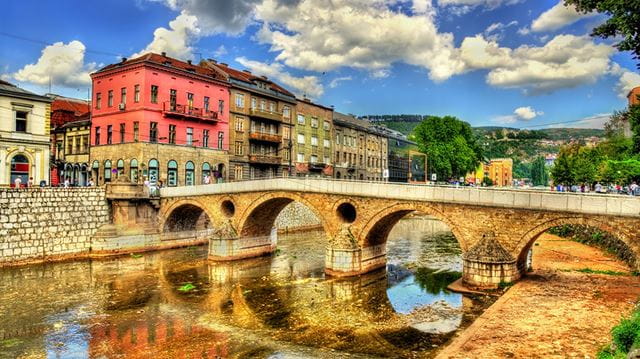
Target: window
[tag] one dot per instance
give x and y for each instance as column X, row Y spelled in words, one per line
column 190, row 100
column 107, row 171
column 97, row 134
column 286, row 132
column 153, row 132
column 272, row 107
column 110, row 98
column 98, row 100
column 122, row 127
column 173, row 99
column 300, row 157
column 263, row 105
column 327, row 160
column 220, row 140
column 136, row 93
column 205, row 138
column 301, row 138
column 239, row 124
column 314, row 141
column 123, row 95
column 314, row 122
column 172, row 173
column 189, row 174
column 154, row 94
column 21, row 121
column 326, row 125
column 109, row 134
column 314, row 159
column 301, row 119
column 133, row 170
column 136, row 130
column 239, row 100
column 337, row 139
column 239, row 148
column 286, row 112
column 220, row 107
column 254, row 103
column 237, row 171
column 172, row 134
column 153, row 170
column 327, row 143
column 286, row 155
column 206, row 103
column 189, row 136
column 120, row 167
column 206, row 171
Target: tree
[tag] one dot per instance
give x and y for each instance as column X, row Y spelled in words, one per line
column 451, row 147
column 623, row 21
column 562, row 171
column 633, row 116
column 620, row 172
column 539, row 173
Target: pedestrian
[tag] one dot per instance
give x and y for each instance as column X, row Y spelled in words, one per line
column 91, row 183
column 30, row 183
column 17, row 182
column 207, row 179
column 66, row 183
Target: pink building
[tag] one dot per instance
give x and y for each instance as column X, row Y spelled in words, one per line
column 161, row 118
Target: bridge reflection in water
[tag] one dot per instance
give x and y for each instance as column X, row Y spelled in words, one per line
column 178, row 304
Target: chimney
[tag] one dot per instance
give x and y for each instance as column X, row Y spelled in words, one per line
column 247, row 71
column 124, row 59
column 214, row 61
column 223, row 64
column 189, row 62
column 164, row 54
column 264, row 77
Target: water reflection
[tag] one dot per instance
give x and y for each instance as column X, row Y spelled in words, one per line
column 177, row 304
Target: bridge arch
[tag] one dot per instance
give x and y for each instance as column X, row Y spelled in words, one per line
column 529, row 238
column 378, row 227
column 185, row 215
column 258, row 218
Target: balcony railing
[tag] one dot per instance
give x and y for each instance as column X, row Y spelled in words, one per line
column 186, row 111
column 269, row 115
column 266, row 137
column 263, row 159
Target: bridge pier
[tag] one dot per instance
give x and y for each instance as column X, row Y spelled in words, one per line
column 225, row 245
column 487, row 264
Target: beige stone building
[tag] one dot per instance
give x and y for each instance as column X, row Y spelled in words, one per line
column 313, row 140
column 361, row 151
column 260, row 127
column 24, row 135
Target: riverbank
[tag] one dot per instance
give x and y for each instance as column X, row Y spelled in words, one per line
column 558, row 311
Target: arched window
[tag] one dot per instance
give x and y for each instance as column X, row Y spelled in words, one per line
column 133, row 170
column 95, row 171
column 20, row 169
column 107, row 171
column 120, row 166
column 206, row 171
column 189, row 174
column 153, row 170
column 172, row 173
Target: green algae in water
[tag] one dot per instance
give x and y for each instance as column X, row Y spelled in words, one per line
column 187, row 287
column 9, row 343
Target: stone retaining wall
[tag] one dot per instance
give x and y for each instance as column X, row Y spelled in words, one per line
column 49, row 223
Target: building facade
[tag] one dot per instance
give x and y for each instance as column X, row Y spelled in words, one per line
column 313, row 140
column 261, row 116
column 500, row 170
column 161, row 119
column 406, row 163
column 24, row 136
column 634, row 99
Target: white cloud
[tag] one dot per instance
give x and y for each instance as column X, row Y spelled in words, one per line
column 627, row 81
column 175, row 41
column 565, row 61
column 220, row 51
column 461, row 7
column 423, row 7
column 335, row 82
column 306, row 85
column 323, row 35
column 519, row 114
column 557, row 17
column 62, row 64
column 496, row 31
column 595, row 121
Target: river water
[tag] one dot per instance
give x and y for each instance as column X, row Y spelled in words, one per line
column 176, row 304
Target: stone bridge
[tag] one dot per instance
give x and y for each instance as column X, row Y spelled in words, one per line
column 495, row 227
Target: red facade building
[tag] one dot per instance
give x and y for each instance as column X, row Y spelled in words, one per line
column 161, row 118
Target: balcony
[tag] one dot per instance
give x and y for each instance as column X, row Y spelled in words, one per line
column 266, row 114
column 267, row 160
column 265, row 137
column 188, row 112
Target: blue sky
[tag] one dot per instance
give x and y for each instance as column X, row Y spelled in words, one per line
column 519, row 63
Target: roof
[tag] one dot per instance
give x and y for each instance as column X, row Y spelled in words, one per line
column 351, row 121
column 84, row 121
column 77, row 106
column 245, row 76
column 309, row 102
column 10, row 89
column 163, row 60
column 488, row 249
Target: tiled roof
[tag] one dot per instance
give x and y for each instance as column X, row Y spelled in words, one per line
column 77, row 106
column 248, row 77
column 166, row 61
column 13, row 90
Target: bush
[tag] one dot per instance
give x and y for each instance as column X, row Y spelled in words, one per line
column 626, row 333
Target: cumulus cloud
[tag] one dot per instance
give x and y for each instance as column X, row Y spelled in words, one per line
column 557, row 17
column 595, row 121
column 306, row 85
column 61, row 64
column 496, row 31
column 519, row 114
column 323, row 35
column 461, row 7
column 335, row 82
column 220, row 51
column 627, row 80
column 177, row 39
column 565, row 61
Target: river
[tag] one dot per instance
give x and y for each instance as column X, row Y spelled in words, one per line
column 177, row 304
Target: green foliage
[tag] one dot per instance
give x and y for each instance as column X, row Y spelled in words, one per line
column 505, row 285
column 623, row 21
column 597, row 271
column 487, row 182
column 625, row 335
column 435, row 281
column 451, row 147
column 634, row 122
column 187, row 287
column 623, row 172
column 539, row 172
